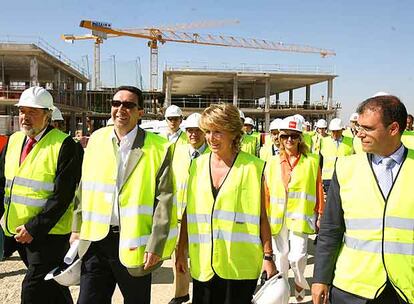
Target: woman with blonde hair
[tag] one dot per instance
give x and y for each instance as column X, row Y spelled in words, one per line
column 295, row 195
column 225, row 226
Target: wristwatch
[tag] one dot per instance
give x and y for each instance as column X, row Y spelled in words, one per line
column 269, row 257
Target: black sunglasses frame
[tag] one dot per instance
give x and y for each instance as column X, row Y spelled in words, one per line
column 126, row 104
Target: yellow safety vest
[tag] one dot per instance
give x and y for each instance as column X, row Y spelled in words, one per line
column 408, row 139
column 31, row 184
column 307, row 137
column 258, row 136
column 295, row 208
column 249, row 144
column 330, row 153
column 180, row 167
column 136, row 196
column 357, row 145
column 224, row 233
column 348, row 133
column 378, row 240
column 266, row 152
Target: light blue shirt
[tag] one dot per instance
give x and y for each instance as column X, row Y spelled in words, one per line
column 397, row 156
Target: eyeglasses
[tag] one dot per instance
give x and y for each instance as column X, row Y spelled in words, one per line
column 286, row 136
column 174, row 118
column 126, row 104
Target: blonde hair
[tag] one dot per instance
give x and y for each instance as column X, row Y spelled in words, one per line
column 225, row 117
column 302, row 147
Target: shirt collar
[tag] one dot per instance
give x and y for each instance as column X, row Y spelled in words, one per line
column 128, row 139
column 199, row 150
column 397, row 156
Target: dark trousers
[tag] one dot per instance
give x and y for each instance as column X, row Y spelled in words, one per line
column 41, row 256
column 221, row 291
column 388, row 296
column 102, row 270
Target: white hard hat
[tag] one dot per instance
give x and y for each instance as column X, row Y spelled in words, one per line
column 249, row 121
column 274, row 291
column 173, row 111
column 242, row 115
column 193, row 121
column 300, row 117
column 291, row 123
column 67, row 276
column 321, row 123
column 56, row 114
column 36, row 97
column 275, row 124
column 353, row 117
column 109, row 122
column 380, row 94
column 336, row 124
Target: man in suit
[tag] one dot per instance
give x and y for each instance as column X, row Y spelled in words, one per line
column 126, row 206
column 39, row 170
column 365, row 243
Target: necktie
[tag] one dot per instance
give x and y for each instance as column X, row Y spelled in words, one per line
column 27, row 148
column 385, row 178
column 195, row 154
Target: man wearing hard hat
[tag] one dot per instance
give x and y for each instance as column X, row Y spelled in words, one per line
column 331, row 148
column 365, row 249
column 57, row 120
column 40, row 170
column 408, row 135
column 183, row 156
column 321, row 132
column 249, row 142
column 126, row 206
column 174, row 118
column 271, row 146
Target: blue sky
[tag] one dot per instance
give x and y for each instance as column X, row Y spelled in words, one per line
column 373, row 39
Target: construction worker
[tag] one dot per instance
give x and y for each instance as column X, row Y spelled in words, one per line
column 365, row 248
column 408, row 135
column 321, row 128
column 176, row 136
column 296, row 201
column 180, row 164
column 350, row 131
column 225, row 210
column 248, row 128
column 271, row 147
column 332, row 147
column 38, row 177
column 127, row 215
column 249, row 143
column 57, row 120
column 307, row 137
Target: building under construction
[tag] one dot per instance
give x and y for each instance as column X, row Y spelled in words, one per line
column 254, row 89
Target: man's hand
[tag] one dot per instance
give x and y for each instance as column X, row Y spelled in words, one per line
column 73, row 237
column 270, row 268
column 320, row 293
column 23, row 236
column 181, row 263
column 150, row 260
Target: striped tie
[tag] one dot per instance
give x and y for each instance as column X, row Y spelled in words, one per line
column 384, row 176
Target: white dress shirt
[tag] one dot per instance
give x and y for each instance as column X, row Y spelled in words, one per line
column 122, row 150
column 397, row 156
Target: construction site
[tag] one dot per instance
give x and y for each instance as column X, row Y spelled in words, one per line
column 84, row 102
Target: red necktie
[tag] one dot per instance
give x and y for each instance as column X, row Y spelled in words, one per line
column 27, row 148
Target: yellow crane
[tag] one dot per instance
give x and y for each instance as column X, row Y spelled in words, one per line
column 99, row 37
column 156, row 36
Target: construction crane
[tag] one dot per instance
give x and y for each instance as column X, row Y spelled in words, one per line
column 158, row 36
column 99, row 37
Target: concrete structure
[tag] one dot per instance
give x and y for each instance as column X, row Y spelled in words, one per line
column 26, row 64
column 251, row 88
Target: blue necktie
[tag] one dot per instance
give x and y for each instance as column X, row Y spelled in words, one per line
column 384, row 175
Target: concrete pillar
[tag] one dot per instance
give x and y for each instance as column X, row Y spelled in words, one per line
column 85, row 101
column 267, row 104
column 277, row 99
column 330, row 93
column 235, row 91
column 72, row 123
column 34, row 72
column 3, row 84
column 168, row 89
column 56, row 85
column 84, row 125
column 307, row 97
column 290, row 98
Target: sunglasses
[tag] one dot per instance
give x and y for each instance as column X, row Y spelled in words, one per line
column 125, row 104
column 292, row 136
column 174, row 118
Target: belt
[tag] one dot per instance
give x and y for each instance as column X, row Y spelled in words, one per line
column 114, row 229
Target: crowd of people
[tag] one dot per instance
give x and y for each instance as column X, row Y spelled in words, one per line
column 235, row 203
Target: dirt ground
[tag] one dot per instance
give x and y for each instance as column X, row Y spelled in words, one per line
column 12, row 271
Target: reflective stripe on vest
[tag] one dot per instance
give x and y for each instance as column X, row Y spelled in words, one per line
column 296, row 207
column 384, row 240
column 136, row 207
column 331, row 152
column 232, row 220
column 30, row 184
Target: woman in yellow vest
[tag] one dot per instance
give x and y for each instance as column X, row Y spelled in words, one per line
column 295, row 196
column 225, row 226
